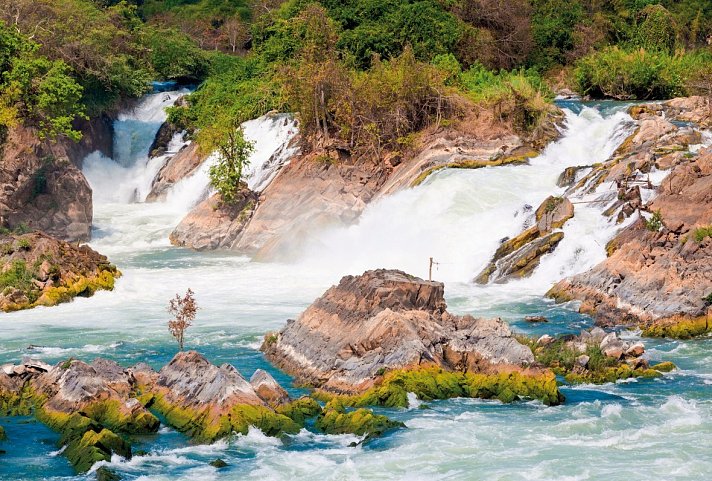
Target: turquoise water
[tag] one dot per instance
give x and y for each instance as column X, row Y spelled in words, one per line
column 649, row 429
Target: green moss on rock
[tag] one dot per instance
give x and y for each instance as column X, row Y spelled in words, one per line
column 335, row 419
column 17, row 404
column 300, row 410
column 430, row 383
column 206, row 425
column 83, row 452
column 3, row 436
column 679, row 328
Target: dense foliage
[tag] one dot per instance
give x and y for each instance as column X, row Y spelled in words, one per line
column 366, row 73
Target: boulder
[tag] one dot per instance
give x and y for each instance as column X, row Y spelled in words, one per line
column 208, row 402
column 520, row 256
column 387, row 320
column 636, row 350
column 268, row 389
column 214, row 224
column 176, row 168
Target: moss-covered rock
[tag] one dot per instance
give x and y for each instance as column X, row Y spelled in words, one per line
column 430, row 383
column 208, row 424
column 38, row 270
column 336, row 419
column 105, row 474
column 300, row 410
column 679, row 328
column 83, row 452
column 517, row 159
column 17, row 403
column 3, row 435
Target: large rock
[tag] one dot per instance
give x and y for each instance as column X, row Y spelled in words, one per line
column 213, row 224
column 41, row 188
column 518, row 257
column 39, row 270
column 208, row 402
column 387, row 320
column 176, row 168
column 658, row 280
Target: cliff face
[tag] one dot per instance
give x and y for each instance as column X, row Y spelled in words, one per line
column 658, row 277
column 42, row 189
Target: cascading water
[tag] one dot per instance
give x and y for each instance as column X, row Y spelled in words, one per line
column 459, row 216
column 615, row 432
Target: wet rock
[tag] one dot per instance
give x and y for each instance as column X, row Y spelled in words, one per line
column 387, row 320
column 536, row 319
column 218, row 463
column 213, row 224
column 208, row 402
column 568, row 177
column 268, row 389
column 105, row 474
column 636, row 350
column 176, row 168
column 655, row 280
column 518, row 257
column 59, row 271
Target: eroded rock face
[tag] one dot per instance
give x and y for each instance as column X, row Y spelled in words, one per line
column 655, row 279
column 177, row 167
column 46, row 271
column 213, row 224
column 385, row 320
column 42, row 189
column 518, row 257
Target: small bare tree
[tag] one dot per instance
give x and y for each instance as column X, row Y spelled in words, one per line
column 183, row 310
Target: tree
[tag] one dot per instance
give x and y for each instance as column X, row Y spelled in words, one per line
column 183, row 310
column 227, row 138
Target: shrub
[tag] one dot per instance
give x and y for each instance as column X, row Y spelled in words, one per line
column 703, row 232
column 637, row 74
column 24, row 244
column 17, row 276
column 655, row 223
column 226, row 137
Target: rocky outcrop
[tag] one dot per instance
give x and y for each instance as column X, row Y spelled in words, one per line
column 696, row 110
column 41, row 189
column 657, row 277
column 214, row 224
column 518, row 257
column 176, row 167
column 595, row 356
column 326, row 186
column 88, row 404
column 388, row 321
column 38, row 270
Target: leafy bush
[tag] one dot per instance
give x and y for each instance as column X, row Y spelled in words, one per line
column 703, row 232
column 520, row 96
column 226, row 137
column 655, row 223
column 174, row 56
column 17, row 276
column 637, row 74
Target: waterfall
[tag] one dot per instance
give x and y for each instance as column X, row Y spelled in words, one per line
column 459, row 217
column 120, row 185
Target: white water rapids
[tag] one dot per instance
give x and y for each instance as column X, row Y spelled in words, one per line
column 654, row 429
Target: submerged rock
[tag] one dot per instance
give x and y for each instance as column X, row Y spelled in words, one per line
column 388, row 321
column 38, row 270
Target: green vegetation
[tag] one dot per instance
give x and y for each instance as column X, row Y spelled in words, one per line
column 562, row 358
column 639, row 74
column 337, row 419
column 679, row 328
column 655, row 223
column 701, row 233
column 429, row 383
column 226, row 137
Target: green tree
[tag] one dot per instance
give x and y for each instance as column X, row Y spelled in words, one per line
column 656, row 29
column 226, row 137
